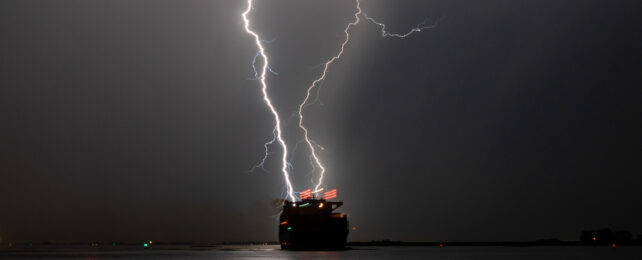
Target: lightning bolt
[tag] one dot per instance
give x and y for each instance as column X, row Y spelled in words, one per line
column 256, row 73
column 313, row 153
column 268, row 102
column 265, row 68
column 266, row 154
column 326, row 65
column 384, row 33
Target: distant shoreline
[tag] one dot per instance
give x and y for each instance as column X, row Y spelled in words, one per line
column 498, row 243
column 546, row 242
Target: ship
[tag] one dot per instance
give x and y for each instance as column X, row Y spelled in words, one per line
column 311, row 224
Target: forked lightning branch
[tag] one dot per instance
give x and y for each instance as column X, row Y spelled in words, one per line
column 261, row 75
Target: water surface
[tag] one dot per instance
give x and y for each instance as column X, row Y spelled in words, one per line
column 273, row 252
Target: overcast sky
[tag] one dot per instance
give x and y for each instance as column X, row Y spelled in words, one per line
column 138, row 120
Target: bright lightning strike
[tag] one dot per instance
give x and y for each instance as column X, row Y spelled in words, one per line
column 277, row 132
column 268, row 102
column 313, row 85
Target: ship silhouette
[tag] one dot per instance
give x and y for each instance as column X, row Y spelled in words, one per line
column 311, row 224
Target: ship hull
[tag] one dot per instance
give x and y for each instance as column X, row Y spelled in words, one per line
column 311, row 225
column 328, row 237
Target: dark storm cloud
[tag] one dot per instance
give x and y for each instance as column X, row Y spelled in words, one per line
column 133, row 120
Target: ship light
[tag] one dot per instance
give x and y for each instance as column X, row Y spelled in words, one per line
column 289, row 228
column 304, row 205
column 330, row 194
column 305, row 194
column 284, row 222
column 321, row 205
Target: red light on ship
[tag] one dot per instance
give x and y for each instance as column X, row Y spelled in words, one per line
column 330, row 194
column 305, row 194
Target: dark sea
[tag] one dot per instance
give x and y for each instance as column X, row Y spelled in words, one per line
column 366, row 252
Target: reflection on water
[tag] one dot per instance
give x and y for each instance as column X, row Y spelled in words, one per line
column 273, row 252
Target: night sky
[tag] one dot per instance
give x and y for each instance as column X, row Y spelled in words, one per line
column 138, row 120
